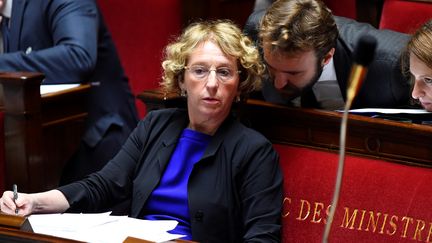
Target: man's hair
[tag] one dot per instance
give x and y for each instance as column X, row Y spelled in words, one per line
column 299, row 25
column 230, row 40
column 419, row 45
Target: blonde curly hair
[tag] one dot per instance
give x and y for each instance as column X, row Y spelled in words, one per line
column 232, row 42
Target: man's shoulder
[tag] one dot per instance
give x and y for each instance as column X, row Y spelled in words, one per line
column 350, row 29
column 252, row 24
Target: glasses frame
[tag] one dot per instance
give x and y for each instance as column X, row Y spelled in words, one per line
column 205, row 77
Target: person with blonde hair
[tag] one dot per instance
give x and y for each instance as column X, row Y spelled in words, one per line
column 200, row 166
column 418, row 63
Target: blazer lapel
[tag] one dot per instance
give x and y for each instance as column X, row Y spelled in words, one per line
column 342, row 62
column 169, row 141
column 16, row 24
column 218, row 137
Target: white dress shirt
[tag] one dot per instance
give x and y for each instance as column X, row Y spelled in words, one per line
column 5, row 11
column 327, row 91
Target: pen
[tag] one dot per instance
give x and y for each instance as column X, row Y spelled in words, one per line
column 15, row 196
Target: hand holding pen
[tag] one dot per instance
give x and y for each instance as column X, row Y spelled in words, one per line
column 15, row 197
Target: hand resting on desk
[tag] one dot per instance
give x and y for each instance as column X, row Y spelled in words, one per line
column 45, row 202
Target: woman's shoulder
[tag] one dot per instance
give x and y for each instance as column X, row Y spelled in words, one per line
column 246, row 135
column 164, row 113
column 161, row 117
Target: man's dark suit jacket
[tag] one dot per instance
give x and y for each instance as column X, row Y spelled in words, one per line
column 68, row 42
column 385, row 85
column 234, row 190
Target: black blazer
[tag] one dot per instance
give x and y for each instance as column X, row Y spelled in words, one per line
column 385, row 85
column 235, row 190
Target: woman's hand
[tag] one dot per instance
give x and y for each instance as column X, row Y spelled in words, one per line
column 22, row 206
column 29, row 203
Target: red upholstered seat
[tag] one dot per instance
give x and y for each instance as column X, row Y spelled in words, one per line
column 141, row 29
column 345, row 8
column 380, row 201
column 404, row 15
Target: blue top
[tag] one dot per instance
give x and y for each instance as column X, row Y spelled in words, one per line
column 169, row 201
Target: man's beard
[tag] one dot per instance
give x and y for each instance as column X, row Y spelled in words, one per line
column 290, row 91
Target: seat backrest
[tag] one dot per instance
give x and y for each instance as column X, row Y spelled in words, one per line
column 404, row 15
column 380, row 201
column 140, row 30
column 345, row 8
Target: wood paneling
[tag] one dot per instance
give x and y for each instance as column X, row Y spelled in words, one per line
column 368, row 137
column 41, row 132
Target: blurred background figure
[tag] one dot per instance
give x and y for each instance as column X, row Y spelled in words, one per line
column 68, row 42
column 262, row 4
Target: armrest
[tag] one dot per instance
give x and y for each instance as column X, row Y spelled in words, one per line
column 23, row 130
column 41, row 132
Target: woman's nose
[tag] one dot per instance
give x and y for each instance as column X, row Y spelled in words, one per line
column 418, row 90
column 212, row 79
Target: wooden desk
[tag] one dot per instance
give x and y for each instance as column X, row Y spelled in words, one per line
column 41, row 132
column 314, row 128
column 18, row 229
column 10, row 235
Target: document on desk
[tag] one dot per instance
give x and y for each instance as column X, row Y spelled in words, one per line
column 419, row 116
column 52, row 88
column 102, row 227
column 389, row 111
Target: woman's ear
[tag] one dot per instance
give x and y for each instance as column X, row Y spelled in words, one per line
column 181, row 85
column 238, row 96
column 180, row 81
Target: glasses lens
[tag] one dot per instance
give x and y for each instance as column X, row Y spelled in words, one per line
column 202, row 72
column 199, row 72
column 224, row 74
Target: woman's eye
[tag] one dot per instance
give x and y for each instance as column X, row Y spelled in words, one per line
column 199, row 70
column 224, row 72
column 428, row 80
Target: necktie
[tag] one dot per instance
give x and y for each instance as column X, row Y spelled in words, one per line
column 5, row 33
column 308, row 99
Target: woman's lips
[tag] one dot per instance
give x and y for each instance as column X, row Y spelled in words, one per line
column 211, row 100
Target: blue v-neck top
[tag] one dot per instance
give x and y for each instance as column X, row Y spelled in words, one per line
column 169, row 200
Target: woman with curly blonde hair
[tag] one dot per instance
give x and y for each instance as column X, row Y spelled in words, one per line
column 200, row 166
column 230, row 40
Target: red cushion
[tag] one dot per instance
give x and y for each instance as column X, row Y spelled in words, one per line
column 141, row 29
column 396, row 194
column 345, row 8
column 404, row 16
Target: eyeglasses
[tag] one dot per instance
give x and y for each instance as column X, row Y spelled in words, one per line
column 223, row 74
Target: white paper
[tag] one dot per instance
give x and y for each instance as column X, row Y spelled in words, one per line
column 102, row 227
column 52, row 88
column 388, row 111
